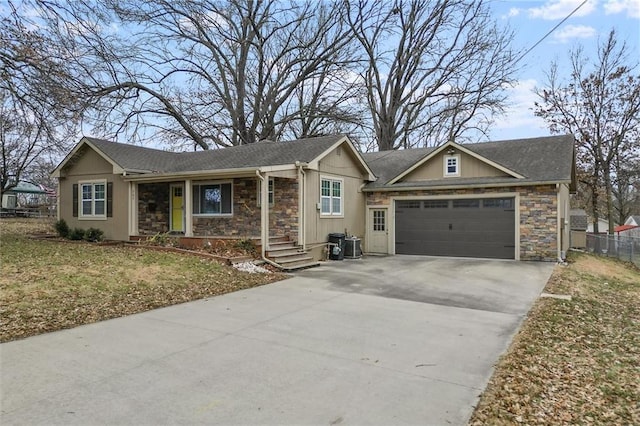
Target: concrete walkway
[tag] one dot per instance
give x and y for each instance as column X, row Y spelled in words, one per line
column 392, row 340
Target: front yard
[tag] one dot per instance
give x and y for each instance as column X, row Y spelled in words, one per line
column 574, row 361
column 48, row 285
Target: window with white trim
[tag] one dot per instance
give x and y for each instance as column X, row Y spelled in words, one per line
column 213, row 199
column 331, row 197
column 93, row 199
column 270, row 195
column 452, row 165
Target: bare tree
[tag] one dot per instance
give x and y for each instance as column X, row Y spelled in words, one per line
column 626, row 187
column 600, row 105
column 214, row 73
column 37, row 112
column 434, row 69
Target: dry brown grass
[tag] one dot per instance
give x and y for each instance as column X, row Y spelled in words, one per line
column 577, row 361
column 47, row 285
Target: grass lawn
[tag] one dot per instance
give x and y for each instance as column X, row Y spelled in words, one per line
column 48, row 285
column 577, row 361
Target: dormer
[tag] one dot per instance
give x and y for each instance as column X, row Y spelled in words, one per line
column 452, row 161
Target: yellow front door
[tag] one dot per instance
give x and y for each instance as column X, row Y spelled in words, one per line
column 177, row 209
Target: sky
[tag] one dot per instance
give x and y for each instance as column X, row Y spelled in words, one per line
column 531, row 20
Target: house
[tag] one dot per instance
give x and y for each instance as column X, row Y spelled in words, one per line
column 603, row 226
column 632, row 220
column 507, row 199
column 27, row 199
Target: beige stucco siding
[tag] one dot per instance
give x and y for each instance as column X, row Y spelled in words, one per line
column 92, row 167
column 340, row 166
column 469, row 167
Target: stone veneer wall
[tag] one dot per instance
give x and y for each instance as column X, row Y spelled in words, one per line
column 538, row 215
column 283, row 216
column 245, row 222
column 153, row 208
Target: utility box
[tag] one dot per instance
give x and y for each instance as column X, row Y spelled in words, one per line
column 336, row 246
column 352, row 249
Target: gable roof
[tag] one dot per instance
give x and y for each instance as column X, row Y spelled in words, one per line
column 633, row 219
column 449, row 145
column 536, row 160
column 136, row 159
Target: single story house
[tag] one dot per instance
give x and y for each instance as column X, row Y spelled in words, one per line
column 507, row 199
column 633, row 220
column 603, row 226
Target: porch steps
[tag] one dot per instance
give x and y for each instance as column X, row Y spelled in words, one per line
column 288, row 255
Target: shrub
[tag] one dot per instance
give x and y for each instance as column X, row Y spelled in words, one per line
column 246, row 245
column 62, row 228
column 76, row 234
column 93, row 235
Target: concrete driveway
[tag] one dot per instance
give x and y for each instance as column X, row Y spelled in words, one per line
column 381, row 340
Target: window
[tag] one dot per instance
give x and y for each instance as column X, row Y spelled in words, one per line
column 474, row 203
column 330, row 197
column 379, row 220
column 411, row 204
column 452, row 165
column 498, row 203
column 271, row 197
column 436, row 204
column 93, row 199
column 212, row 199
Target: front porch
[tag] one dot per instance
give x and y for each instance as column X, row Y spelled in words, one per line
column 199, row 211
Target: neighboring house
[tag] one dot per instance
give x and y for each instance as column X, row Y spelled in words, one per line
column 626, row 231
column 28, row 199
column 633, row 220
column 506, row 199
column 603, row 226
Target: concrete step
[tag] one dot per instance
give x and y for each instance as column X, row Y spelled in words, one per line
column 283, row 252
column 279, row 239
column 300, row 265
column 289, row 260
column 281, row 245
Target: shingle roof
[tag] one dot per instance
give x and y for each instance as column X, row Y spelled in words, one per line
column 544, row 159
column 135, row 158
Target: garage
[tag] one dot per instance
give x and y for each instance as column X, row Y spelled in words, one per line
column 465, row 227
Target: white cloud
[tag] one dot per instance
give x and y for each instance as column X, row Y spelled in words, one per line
column 571, row 32
column 513, row 12
column 519, row 119
column 631, row 7
column 559, row 9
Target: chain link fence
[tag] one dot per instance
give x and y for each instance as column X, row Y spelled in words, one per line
column 621, row 247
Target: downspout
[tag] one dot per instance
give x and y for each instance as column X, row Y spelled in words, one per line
column 558, row 224
column 263, row 240
column 301, row 204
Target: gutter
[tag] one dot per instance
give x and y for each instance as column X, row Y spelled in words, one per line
column 149, row 177
column 460, row 186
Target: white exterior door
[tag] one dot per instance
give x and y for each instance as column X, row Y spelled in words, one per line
column 378, row 232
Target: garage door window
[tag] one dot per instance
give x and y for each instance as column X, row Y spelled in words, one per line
column 497, row 203
column 409, row 204
column 436, row 204
column 466, row 204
